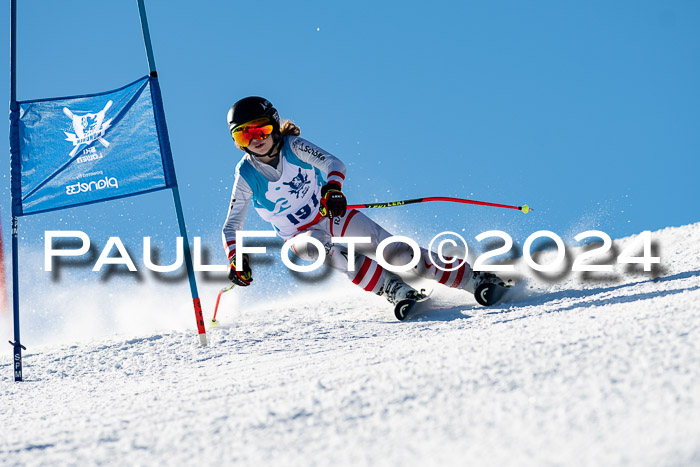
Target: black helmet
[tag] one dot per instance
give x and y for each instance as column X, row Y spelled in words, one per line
column 250, row 108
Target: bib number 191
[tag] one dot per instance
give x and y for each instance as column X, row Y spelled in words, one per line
column 304, row 212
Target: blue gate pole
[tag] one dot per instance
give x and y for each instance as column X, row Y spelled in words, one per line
column 147, row 39
column 201, row 330
column 16, row 345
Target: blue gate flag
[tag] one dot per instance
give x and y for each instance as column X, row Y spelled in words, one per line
column 71, row 151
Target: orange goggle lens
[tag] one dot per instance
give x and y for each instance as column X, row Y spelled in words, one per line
column 256, row 129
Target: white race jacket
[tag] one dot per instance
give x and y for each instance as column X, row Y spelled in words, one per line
column 287, row 196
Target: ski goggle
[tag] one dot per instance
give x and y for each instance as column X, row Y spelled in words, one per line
column 259, row 128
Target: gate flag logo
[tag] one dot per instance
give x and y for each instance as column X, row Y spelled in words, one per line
column 88, row 128
column 70, row 151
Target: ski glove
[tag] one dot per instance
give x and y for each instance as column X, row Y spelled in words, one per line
column 243, row 277
column 333, row 202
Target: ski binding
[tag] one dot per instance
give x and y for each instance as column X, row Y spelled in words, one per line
column 404, row 307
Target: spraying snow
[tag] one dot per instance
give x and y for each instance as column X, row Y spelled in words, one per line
column 596, row 371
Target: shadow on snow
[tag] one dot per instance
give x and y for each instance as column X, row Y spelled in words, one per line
column 460, row 312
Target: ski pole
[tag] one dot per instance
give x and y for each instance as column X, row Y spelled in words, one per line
column 214, row 322
column 524, row 208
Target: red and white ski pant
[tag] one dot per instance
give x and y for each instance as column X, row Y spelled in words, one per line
column 367, row 273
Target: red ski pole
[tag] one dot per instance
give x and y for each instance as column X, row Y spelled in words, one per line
column 214, row 322
column 524, row 208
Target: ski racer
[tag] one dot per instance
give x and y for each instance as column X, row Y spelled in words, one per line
column 297, row 187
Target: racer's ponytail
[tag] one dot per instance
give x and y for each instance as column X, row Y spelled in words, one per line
column 289, row 128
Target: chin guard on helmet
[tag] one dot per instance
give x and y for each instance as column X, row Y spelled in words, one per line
column 277, row 144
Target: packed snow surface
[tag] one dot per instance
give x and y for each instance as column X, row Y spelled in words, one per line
column 596, row 370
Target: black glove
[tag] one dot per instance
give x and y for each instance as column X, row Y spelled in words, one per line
column 333, row 202
column 243, row 277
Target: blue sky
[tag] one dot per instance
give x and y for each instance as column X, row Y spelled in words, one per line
column 587, row 111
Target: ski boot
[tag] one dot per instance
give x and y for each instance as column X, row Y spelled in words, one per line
column 401, row 295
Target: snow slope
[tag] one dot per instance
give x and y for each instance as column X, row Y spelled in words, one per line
column 601, row 371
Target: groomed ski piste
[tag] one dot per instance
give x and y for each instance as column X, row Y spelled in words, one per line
column 603, row 370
